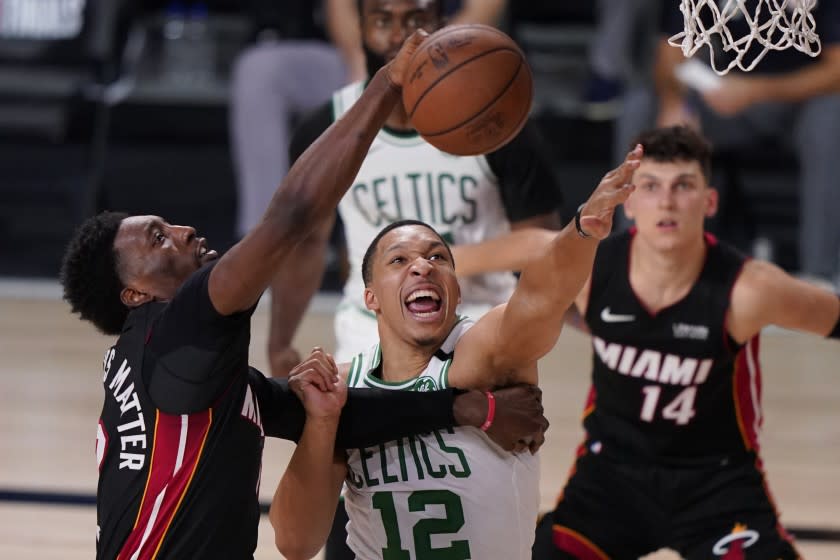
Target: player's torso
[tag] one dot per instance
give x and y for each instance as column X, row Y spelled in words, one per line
column 448, row 494
column 671, row 385
column 404, row 177
column 162, row 476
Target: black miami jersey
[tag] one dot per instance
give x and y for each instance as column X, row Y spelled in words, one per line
column 180, row 435
column 670, row 385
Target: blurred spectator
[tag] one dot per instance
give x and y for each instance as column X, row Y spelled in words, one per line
column 289, row 69
column 789, row 99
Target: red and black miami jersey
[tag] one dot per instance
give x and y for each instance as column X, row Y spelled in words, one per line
column 671, row 385
column 180, row 436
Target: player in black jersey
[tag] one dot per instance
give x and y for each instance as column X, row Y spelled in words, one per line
column 671, row 456
column 180, row 436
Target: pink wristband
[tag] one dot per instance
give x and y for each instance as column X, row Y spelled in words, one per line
column 491, row 411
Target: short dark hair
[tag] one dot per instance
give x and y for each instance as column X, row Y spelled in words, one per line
column 89, row 274
column 677, row 143
column 367, row 260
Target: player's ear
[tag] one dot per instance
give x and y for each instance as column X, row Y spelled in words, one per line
column 371, row 302
column 134, row 298
column 712, row 200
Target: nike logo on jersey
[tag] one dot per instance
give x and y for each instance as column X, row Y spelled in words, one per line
column 608, row 317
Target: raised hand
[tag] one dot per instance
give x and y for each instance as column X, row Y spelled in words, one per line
column 317, row 384
column 395, row 70
column 597, row 213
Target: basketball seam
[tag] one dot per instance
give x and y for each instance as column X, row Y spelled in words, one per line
column 481, row 111
column 431, row 86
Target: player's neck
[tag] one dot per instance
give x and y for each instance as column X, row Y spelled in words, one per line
column 398, row 119
column 661, row 278
column 401, row 362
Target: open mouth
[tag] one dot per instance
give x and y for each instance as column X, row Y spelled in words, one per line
column 666, row 224
column 203, row 254
column 423, row 303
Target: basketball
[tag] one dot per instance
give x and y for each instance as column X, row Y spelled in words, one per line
column 468, row 89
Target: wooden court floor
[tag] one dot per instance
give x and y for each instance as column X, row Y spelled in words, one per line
column 50, row 397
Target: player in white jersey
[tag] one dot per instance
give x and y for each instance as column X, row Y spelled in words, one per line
column 411, row 287
column 438, row 472
column 469, row 200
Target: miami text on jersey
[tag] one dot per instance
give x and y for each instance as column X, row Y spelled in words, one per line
column 652, row 365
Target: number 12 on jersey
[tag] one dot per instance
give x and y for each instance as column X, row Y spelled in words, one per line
column 424, row 529
column 680, row 410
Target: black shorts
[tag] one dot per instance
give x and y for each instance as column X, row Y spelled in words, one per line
column 612, row 509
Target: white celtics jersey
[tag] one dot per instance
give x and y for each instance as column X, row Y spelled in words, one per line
column 451, row 494
column 404, row 177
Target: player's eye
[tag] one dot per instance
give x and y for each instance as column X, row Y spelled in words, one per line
column 649, row 186
column 437, row 257
column 158, row 237
column 396, row 260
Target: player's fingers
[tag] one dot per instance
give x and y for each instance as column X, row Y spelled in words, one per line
column 313, row 377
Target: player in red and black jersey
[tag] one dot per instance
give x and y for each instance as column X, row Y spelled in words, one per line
column 180, row 436
column 671, row 456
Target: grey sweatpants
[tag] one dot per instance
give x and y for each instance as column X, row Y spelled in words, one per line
column 273, row 83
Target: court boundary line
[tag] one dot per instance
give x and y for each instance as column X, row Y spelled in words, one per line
column 79, row 499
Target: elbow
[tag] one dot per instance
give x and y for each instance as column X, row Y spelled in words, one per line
column 291, row 546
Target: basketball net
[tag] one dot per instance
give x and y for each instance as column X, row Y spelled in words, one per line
column 774, row 25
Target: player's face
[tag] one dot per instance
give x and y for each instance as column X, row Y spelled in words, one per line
column 671, row 202
column 413, row 290
column 155, row 257
column 386, row 24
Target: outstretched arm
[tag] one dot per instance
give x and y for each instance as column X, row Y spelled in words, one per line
column 512, row 337
column 764, row 295
column 310, row 191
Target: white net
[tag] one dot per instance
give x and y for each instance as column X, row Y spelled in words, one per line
column 773, row 24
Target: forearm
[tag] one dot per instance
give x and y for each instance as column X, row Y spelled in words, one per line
column 324, row 172
column 820, row 78
column 509, row 252
column 373, row 416
column 305, row 500
column 547, row 287
column 305, row 200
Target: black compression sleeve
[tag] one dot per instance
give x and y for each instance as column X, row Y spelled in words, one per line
column 371, row 416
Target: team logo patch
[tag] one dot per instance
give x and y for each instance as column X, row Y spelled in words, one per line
column 693, row 332
column 425, row 384
column 731, row 547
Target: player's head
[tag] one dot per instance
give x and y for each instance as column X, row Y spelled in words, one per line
column 116, row 262
column 672, row 196
column 410, row 283
column 386, row 24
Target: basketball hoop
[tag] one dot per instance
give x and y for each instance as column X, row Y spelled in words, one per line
column 774, row 25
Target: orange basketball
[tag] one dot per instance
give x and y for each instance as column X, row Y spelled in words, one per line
column 468, row 89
